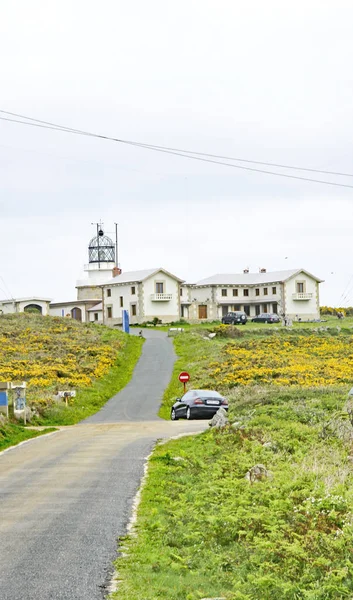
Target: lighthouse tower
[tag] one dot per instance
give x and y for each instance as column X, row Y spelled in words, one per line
column 101, row 262
column 101, row 257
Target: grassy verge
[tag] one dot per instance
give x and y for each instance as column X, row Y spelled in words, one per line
column 12, row 434
column 89, row 400
column 204, row 530
column 268, row 356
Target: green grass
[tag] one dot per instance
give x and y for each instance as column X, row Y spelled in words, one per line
column 12, row 434
column 204, row 531
column 91, row 399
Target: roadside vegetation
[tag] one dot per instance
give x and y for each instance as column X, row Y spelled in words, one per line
column 204, row 529
column 54, row 354
column 12, row 434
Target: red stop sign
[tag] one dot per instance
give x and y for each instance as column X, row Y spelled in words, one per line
column 184, row 377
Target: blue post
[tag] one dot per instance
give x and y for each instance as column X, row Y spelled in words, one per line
column 126, row 322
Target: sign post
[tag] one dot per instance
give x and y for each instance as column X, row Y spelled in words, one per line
column 19, row 405
column 66, row 395
column 184, row 377
column 4, row 399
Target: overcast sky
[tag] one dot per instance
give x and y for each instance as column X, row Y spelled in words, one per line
column 268, row 81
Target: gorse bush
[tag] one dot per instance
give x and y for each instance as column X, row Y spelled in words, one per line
column 53, row 354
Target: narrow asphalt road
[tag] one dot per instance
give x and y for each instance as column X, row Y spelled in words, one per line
column 66, row 498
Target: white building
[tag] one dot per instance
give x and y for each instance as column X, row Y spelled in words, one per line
column 19, row 305
column 76, row 309
column 147, row 294
column 156, row 293
column 294, row 293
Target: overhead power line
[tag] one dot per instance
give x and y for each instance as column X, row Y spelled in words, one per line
column 199, row 156
column 245, row 160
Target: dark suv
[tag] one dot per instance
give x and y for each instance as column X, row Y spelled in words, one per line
column 235, row 318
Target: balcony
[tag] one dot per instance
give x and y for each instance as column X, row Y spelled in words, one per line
column 302, row 296
column 161, row 297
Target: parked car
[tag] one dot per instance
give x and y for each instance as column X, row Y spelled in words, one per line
column 266, row 318
column 234, row 318
column 198, row 404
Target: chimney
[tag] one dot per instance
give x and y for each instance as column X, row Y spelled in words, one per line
column 246, row 270
column 116, row 271
column 262, row 270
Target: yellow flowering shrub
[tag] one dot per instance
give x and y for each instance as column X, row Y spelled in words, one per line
column 298, row 360
column 52, row 354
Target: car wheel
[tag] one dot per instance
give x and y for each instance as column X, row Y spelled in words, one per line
column 244, row 323
column 173, row 415
column 188, row 413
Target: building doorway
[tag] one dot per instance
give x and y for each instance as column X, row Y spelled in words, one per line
column 76, row 314
column 202, row 311
column 33, row 308
column 225, row 310
column 247, row 309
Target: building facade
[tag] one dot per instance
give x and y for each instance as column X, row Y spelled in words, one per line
column 146, row 295
column 294, row 293
column 158, row 294
column 19, row 305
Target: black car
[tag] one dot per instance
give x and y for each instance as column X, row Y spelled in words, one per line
column 266, row 318
column 198, row 404
column 234, row 318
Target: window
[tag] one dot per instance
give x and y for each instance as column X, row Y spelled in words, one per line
column 247, row 309
column 300, row 287
column 110, row 312
column 265, row 310
column 235, row 292
column 257, row 291
column 224, row 310
column 181, row 291
column 257, row 309
column 275, row 308
column 274, row 291
column 96, row 316
column 236, row 307
column 265, row 291
column 159, row 287
column 133, row 290
column 121, row 301
column 245, row 293
column 109, row 292
column 224, row 292
column 133, row 310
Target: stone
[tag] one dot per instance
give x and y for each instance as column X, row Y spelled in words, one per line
column 220, row 419
column 30, row 413
column 257, row 473
column 212, row 335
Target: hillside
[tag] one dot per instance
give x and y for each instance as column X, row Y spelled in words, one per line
column 204, row 529
column 54, row 354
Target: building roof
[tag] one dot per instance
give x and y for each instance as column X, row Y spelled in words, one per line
column 96, row 307
column 33, row 299
column 73, row 302
column 128, row 277
column 252, row 278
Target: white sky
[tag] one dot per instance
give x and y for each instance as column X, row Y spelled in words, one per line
column 269, row 81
